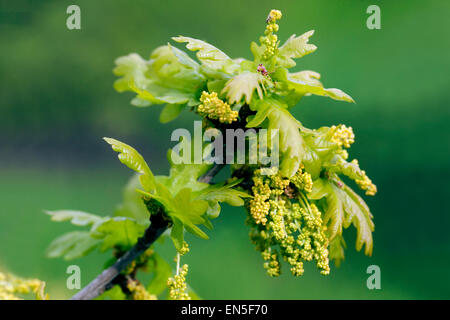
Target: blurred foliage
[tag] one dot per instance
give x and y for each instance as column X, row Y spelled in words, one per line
column 57, row 100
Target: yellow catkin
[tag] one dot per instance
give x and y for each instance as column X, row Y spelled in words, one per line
column 342, row 135
column 214, row 108
column 177, row 285
column 365, row 183
column 138, row 291
column 184, row 249
column 282, row 227
column 270, row 40
column 12, row 286
column 302, row 180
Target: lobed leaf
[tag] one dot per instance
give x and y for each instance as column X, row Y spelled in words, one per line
column 170, row 112
column 72, row 245
column 291, row 144
column 244, row 85
column 78, row 218
column 209, row 55
column 120, row 232
column 133, row 160
column 295, row 47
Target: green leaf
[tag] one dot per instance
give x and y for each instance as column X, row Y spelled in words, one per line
column 257, row 51
column 78, row 218
column 307, row 83
column 177, row 233
column 162, row 271
column 296, row 47
column 334, row 216
column 223, row 193
column 170, row 76
column 132, row 205
column 336, row 250
column 343, row 208
column 132, row 68
column 243, row 85
column 189, row 211
column 319, row 190
column 115, row 293
column 120, row 232
column 170, row 112
column 359, row 214
column 291, row 144
column 132, row 159
column 209, row 55
column 184, row 176
column 191, row 228
column 72, row 245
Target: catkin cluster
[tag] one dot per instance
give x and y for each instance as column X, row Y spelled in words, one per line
column 342, row 135
column 177, row 285
column 214, row 108
column 138, row 291
column 284, row 225
column 270, row 40
column 12, row 286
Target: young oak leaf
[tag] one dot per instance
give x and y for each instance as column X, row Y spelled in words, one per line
column 336, row 250
column 77, row 218
column 307, row 83
column 170, row 76
column 72, row 245
column 209, row 55
column 163, row 271
column 343, row 208
column 120, row 232
column 132, row 205
column 291, row 142
column 221, row 193
column 293, row 86
column 132, row 68
column 133, row 160
column 190, row 211
column 170, row 112
column 243, row 85
column 295, row 47
column 359, row 214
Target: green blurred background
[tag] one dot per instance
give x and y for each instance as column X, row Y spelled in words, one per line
column 57, row 101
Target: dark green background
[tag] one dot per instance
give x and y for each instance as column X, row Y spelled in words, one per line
column 57, row 101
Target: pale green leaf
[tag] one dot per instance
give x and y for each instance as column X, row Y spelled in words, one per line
column 162, row 271
column 170, row 76
column 72, row 245
column 132, row 159
column 132, row 205
column 177, row 233
column 291, row 144
column 358, row 213
column 242, row 86
column 307, row 83
column 170, row 112
column 319, row 190
column 296, row 47
column 132, row 68
column 209, row 55
column 336, row 250
column 120, row 232
column 78, row 218
column 334, row 216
